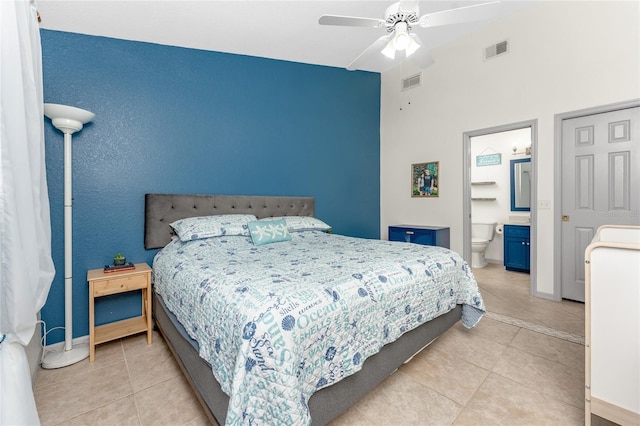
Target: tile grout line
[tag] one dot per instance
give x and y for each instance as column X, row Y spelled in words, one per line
column 135, row 399
column 563, row 335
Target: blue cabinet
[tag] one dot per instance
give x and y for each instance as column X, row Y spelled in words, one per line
column 425, row 235
column 517, row 248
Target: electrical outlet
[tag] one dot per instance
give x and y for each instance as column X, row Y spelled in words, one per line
column 544, row 204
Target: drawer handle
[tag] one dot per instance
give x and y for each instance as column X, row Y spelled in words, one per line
column 410, row 232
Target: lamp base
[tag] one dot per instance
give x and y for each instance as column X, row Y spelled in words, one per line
column 61, row 358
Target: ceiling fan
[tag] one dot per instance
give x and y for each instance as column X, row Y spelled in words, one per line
column 399, row 21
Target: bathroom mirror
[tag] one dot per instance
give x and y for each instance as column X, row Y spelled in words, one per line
column 521, row 185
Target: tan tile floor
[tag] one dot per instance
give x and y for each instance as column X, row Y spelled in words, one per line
column 495, row 374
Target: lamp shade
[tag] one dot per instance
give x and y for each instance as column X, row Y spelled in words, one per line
column 389, row 51
column 66, row 118
column 412, row 47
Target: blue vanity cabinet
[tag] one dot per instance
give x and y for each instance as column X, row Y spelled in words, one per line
column 425, row 235
column 517, row 248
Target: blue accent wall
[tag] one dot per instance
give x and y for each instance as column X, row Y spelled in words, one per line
column 176, row 120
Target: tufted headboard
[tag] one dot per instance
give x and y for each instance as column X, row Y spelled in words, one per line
column 160, row 210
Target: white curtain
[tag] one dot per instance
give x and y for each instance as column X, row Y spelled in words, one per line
column 26, row 267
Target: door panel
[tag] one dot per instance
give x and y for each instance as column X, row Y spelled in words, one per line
column 600, row 184
column 584, row 180
column 619, row 185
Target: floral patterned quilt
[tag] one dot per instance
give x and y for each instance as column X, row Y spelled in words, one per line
column 279, row 321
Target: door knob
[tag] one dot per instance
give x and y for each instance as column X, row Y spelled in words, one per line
column 565, row 218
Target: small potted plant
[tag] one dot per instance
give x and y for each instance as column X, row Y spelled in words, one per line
column 119, row 259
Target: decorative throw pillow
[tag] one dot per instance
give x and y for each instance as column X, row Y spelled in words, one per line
column 303, row 223
column 195, row 228
column 268, row 231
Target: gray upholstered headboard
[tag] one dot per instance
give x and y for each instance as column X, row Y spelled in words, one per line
column 163, row 209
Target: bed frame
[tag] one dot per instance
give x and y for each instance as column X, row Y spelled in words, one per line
column 326, row 404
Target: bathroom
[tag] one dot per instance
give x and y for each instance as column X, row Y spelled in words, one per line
column 495, row 180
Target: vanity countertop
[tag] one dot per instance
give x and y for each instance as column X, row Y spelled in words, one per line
column 522, row 220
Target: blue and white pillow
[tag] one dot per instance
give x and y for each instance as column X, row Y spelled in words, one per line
column 196, row 228
column 302, row 223
column 268, row 231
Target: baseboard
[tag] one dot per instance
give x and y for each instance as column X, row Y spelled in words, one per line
column 545, row 295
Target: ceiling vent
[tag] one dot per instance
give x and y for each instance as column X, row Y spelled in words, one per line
column 496, row 50
column 412, row 82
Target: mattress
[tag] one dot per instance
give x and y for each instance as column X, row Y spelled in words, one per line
column 280, row 321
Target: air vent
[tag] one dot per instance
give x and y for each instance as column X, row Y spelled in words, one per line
column 411, row 82
column 496, row 50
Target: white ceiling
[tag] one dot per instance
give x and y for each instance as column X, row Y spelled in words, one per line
column 286, row 30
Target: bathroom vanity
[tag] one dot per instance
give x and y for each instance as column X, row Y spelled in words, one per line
column 517, row 247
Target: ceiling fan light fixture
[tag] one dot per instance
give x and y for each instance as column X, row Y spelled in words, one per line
column 401, row 38
column 412, row 47
column 389, row 51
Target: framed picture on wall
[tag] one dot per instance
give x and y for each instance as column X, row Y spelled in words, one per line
column 425, row 179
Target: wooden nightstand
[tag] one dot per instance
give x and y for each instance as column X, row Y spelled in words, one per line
column 104, row 284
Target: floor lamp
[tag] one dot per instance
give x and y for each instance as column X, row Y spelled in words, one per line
column 68, row 120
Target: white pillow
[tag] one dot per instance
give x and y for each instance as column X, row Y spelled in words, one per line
column 302, row 223
column 195, row 228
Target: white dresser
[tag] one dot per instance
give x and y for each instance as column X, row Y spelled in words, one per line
column 612, row 325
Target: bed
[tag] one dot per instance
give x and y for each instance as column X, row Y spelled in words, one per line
column 265, row 338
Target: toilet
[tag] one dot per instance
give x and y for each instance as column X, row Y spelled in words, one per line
column 481, row 236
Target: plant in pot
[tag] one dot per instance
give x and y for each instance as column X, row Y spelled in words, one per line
column 119, row 259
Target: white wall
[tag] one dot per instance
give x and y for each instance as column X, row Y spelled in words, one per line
column 34, row 353
column 564, row 56
column 498, row 210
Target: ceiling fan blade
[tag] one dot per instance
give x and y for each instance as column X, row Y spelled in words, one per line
column 350, row 21
column 408, row 5
column 422, row 57
column 476, row 12
column 376, row 47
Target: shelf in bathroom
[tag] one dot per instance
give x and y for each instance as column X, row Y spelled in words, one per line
column 483, row 199
column 483, row 183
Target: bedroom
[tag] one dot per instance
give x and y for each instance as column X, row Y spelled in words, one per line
column 344, row 139
column 514, row 88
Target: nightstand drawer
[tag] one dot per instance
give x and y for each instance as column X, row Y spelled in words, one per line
column 425, row 235
column 119, row 285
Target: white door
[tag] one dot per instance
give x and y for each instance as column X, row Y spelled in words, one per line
column 600, row 185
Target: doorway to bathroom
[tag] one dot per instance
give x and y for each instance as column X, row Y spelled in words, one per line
column 500, row 188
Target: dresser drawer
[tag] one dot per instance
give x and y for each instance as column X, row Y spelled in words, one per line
column 119, row 285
